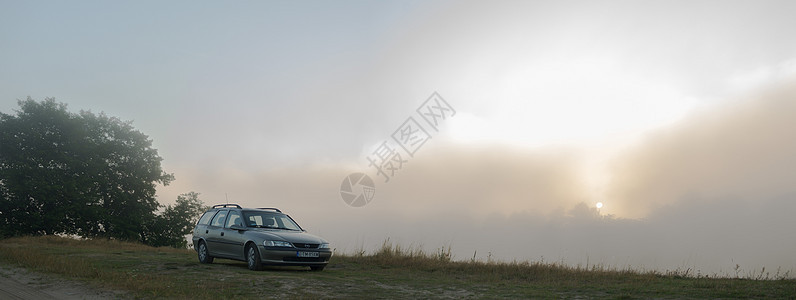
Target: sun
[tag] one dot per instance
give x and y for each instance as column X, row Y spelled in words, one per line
column 599, row 205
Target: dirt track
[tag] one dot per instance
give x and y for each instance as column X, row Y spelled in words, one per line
column 17, row 283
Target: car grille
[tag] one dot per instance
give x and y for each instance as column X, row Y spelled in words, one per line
column 305, row 246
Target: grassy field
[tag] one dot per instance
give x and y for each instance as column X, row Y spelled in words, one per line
column 392, row 272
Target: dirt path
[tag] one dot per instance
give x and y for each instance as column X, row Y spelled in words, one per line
column 17, row 283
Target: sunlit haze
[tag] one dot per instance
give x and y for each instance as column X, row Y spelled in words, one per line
column 657, row 135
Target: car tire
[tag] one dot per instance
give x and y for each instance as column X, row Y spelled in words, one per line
column 253, row 258
column 317, row 268
column 204, row 255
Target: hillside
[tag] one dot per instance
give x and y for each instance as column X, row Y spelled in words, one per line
column 143, row 271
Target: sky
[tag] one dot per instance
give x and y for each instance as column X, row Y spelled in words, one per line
column 676, row 116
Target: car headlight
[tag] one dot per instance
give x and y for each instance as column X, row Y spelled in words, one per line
column 277, row 244
column 324, row 246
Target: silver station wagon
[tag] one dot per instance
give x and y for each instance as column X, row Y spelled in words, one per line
column 258, row 236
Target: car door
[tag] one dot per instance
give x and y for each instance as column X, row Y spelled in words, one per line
column 215, row 233
column 233, row 239
column 201, row 230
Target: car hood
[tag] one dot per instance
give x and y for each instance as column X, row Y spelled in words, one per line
column 289, row 236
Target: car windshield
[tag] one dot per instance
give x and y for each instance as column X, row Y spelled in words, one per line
column 269, row 220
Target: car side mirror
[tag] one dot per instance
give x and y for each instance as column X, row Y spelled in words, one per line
column 237, row 227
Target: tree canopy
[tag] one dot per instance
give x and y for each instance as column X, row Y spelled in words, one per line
column 170, row 227
column 76, row 173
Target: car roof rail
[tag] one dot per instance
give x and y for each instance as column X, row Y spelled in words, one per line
column 226, row 205
column 270, row 208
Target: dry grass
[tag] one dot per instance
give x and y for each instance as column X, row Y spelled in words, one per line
column 94, row 261
column 390, row 272
column 492, row 271
column 440, row 259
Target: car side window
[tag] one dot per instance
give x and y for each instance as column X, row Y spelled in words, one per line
column 205, row 219
column 219, row 219
column 234, row 219
column 255, row 221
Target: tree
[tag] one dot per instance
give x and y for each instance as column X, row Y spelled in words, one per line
column 84, row 174
column 171, row 227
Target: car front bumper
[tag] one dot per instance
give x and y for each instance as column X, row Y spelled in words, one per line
column 290, row 257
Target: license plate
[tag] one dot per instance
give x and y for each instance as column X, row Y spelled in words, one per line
column 306, row 254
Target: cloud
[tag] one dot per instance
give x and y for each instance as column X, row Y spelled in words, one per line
column 442, row 178
column 743, row 151
column 483, row 179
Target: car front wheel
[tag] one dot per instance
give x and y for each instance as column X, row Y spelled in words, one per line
column 204, row 256
column 253, row 258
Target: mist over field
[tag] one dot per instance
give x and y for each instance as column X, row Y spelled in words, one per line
column 678, row 117
column 708, row 193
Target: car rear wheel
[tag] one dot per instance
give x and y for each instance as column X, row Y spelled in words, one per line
column 253, row 258
column 204, row 256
